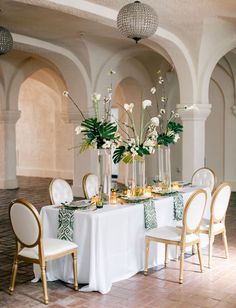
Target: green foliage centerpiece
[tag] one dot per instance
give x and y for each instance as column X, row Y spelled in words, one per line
column 101, row 133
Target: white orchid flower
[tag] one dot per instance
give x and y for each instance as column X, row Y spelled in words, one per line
column 170, row 133
column 153, row 90
column 160, row 80
column 149, row 143
column 155, row 121
column 78, row 129
column 146, row 103
column 107, row 144
column 66, row 93
column 164, row 99
column 176, row 138
column 129, row 107
column 96, row 96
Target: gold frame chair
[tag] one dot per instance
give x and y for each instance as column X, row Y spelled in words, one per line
column 50, row 188
column 20, row 245
column 206, row 168
column 86, row 195
column 213, row 220
column 182, row 242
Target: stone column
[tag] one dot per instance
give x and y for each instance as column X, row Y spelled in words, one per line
column 8, row 121
column 193, row 145
column 85, row 162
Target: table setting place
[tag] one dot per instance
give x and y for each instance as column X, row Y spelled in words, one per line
column 128, row 197
column 99, row 225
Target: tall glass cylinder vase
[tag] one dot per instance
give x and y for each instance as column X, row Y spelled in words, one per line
column 138, row 171
column 164, row 167
column 104, row 173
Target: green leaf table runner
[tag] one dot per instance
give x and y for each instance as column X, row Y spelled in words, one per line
column 150, row 218
column 178, row 207
column 65, row 224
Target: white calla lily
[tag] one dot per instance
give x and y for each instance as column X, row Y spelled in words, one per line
column 146, row 103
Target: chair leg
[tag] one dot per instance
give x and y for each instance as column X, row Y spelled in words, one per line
column 44, row 281
column 166, row 254
column 193, row 250
column 211, row 241
column 14, row 272
column 200, row 256
column 176, row 253
column 75, row 272
column 225, row 244
column 181, row 272
column 147, row 244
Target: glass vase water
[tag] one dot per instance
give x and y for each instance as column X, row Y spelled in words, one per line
column 164, row 167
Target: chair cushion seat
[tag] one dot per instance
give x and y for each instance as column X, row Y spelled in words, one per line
column 205, row 225
column 171, row 234
column 51, row 247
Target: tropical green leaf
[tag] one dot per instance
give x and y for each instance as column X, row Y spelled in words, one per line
column 163, row 139
column 175, row 127
column 128, row 158
column 142, row 151
column 118, row 154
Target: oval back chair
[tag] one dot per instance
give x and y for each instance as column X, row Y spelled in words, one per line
column 216, row 224
column 204, row 177
column 188, row 235
column 90, row 185
column 30, row 247
column 60, row 192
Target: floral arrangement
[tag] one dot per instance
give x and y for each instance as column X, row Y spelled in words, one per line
column 159, row 130
column 169, row 130
column 137, row 145
column 98, row 131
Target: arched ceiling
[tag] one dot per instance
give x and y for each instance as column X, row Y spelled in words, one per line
column 184, row 18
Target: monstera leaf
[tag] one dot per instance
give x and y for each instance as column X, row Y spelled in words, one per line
column 97, row 130
column 163, row 139
column 107, row 130
column 118, row 154
column 142, row 151
column 175, row 127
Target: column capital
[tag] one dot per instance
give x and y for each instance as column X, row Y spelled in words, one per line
column 9, row 116
column 195, row 112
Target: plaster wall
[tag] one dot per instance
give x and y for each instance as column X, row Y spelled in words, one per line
column 221, row 124
column 42, row 137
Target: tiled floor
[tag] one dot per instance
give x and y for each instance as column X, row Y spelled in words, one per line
column 213, row 288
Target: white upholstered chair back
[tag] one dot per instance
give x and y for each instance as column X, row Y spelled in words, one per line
column 220, row 202
column 90, row 185
column 194, row 210
column 25, row 222
column 60, row 192
column 204, row 177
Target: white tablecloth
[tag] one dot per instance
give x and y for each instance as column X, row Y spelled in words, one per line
column 110, row 242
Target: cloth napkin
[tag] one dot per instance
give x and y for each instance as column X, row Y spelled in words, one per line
column 178, row 206
column 150, row 218
column 65, row 224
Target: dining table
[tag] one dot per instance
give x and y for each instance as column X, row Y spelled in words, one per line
column 111, row 241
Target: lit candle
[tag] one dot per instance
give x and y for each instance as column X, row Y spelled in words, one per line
column 148, row 191
column 175, row 186
column 113, row 197
column 128, row 193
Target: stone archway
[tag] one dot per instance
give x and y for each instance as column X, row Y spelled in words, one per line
column 45, row 154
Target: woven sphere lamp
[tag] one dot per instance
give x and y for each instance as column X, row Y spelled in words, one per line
column 137, row 21
column 6, row 41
